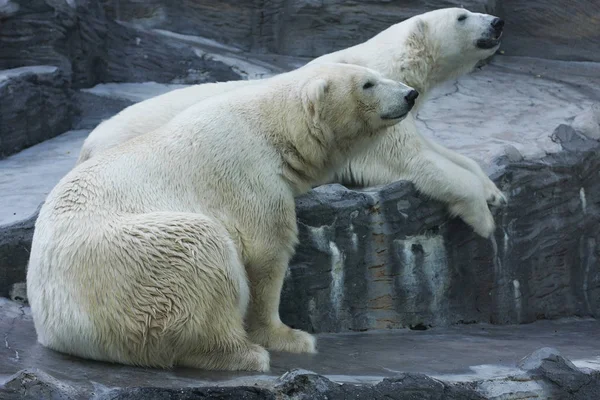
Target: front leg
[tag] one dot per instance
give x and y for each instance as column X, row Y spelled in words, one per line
column 454, row 185
column 264, row 325
column 493, row 195
column 267, row 236
column 432, row 174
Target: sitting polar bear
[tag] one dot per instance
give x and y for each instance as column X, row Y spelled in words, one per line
column 150, row 253
column 423, row 52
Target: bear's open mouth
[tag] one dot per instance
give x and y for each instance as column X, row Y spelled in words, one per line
column 489, row 43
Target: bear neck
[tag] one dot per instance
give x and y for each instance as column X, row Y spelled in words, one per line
column 422, row 68
column 308, row 151
column 418, row 60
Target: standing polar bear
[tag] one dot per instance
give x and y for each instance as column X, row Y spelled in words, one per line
column 158, row 251
column 423, row 52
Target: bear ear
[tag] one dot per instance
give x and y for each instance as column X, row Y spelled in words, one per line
column 314, row 93
column 421, row 28
column 418, row 34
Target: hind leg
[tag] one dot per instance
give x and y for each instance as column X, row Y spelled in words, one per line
column 190, row 294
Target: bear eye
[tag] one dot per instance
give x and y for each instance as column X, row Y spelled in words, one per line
column 462, row 17
column 368, row 85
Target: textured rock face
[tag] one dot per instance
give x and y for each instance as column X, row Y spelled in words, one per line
column 555, row 29
column 77, row 37
column 35, row 105
column 15, row 242
column 277, row 26
column 389, row 258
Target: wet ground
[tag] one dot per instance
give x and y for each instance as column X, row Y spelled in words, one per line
column 458, row 353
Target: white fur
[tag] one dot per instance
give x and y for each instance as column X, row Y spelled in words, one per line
column 149, row 115
column 423, row 51
column 171, row 248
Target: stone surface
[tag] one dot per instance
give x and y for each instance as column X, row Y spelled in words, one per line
column 34, row 172
column 35, row 384
column 35, row 105
column 15, row 242
column 588, row 122
column 156, row 58
column 554, row 29
column 389, row 258
column 27, row 177
column 89, row 48
column 93, row 109
column 513, row 101
column 566, row 380
column 276, row 26
column 477, row 361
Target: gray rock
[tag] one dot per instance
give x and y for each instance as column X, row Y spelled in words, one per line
column 389, row 258
column 303, row 385
column 275, row 26
column 588, row 122
column 35, row 105
column 94, row 109
column 570, row 139
column 8, row 8
column 567, row 381
column 150, row 393
column 15, row 242
column 156, row 58
column 34, row 384
column 513, row 154
column 555, row 29
column 27, row 177
column 77, row 37
column 583, row 133
column 405, row 386
column 513, row 101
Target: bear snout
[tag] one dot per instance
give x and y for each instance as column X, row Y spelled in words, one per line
column 498, row 24
column 411, row 97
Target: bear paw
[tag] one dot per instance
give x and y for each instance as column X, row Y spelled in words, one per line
column 257, row 359
column 247, row 357
column 477, row 215
column 493, row 195
column 284, row 338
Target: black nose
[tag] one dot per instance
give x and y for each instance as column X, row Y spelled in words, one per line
column 411, row 96
column 498, row 23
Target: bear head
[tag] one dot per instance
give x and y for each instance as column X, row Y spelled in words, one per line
column 353, row 101
column 458, row 36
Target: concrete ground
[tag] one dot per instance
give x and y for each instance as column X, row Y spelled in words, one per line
column 458, row 353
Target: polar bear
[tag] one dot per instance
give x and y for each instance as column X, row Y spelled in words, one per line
column 171, row 248
column 423, row 52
